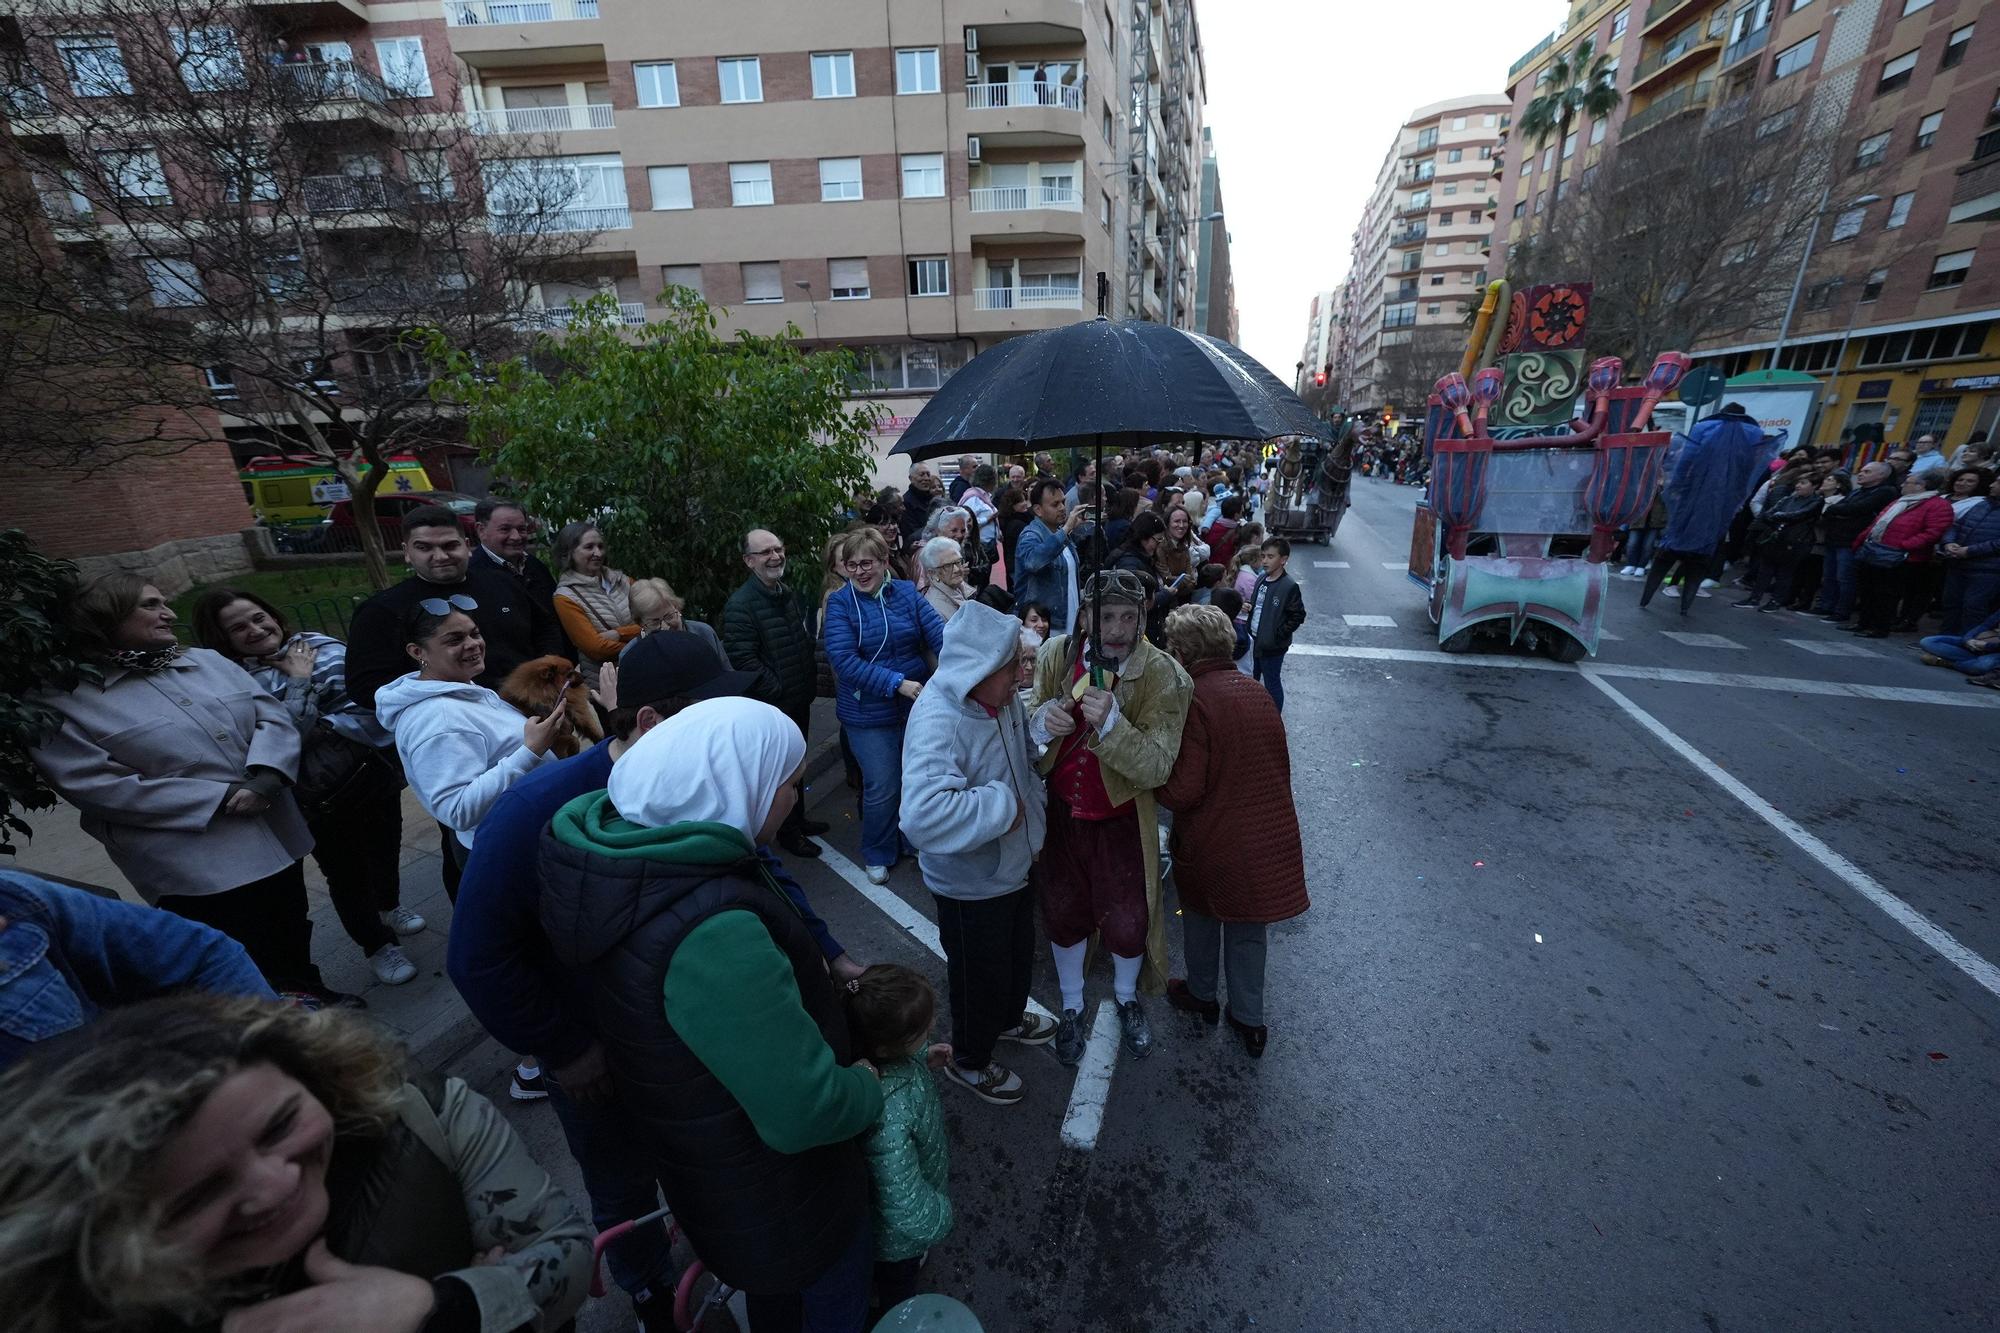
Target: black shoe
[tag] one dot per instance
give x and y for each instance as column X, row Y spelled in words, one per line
column 1253, row 1037
column 528, row 1089
column 1185, row 1000
column 815, row 828
column 1136, row 1030
column 1746, row 603
column 797, row 843
column 1069, row 1037
column 1771, row 606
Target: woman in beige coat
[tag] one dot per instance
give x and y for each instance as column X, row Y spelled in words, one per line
column 180, row 764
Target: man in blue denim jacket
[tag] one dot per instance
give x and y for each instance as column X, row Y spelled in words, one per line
column 66, row 953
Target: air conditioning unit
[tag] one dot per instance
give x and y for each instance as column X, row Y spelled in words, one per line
column 972, row 39
column 972, row 148
column 971, row 66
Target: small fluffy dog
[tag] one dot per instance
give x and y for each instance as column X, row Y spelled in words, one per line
column 536, row 687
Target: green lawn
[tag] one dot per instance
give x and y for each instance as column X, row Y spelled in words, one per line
column 320, row 598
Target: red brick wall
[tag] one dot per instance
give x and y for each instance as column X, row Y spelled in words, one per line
column 133, row 506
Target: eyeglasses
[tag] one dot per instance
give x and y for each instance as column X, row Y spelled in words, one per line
column 950, row 564
column 862, row 566
column 444, row 606
column 767, row 551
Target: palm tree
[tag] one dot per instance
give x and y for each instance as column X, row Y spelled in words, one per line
column 1580, row 82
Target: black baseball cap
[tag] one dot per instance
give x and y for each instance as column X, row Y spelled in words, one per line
column 674, row 664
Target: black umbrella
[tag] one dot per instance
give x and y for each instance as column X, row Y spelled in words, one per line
column 1134, row 384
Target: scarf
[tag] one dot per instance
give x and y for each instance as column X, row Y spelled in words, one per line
column 146, row 659
column 1900, row 505
column 954, row 598
column 721, row 761
column 606, row 601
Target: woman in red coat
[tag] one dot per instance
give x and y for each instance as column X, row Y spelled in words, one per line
column 1912, row 524
column 1237, row 861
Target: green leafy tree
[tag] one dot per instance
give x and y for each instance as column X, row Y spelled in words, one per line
column 1580, row 83
column 676, row 442
column 34, row 655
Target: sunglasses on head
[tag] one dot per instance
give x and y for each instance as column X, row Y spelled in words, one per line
column 444, row 606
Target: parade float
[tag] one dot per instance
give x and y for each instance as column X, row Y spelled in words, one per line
column 1527, row 492
column 1309, row 486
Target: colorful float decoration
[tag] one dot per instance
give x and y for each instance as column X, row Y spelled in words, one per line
column 1526, row 493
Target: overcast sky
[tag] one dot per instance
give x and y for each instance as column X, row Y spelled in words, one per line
column 1304, row 97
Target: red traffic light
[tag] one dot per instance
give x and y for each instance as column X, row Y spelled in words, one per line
column 1319, row 379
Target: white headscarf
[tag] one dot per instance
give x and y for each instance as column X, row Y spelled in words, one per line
column 720, row 761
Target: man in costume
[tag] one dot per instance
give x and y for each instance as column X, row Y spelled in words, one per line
column 1111, row 718
column 1718, row 467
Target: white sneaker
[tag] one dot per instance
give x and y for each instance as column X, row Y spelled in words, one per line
column 878, row 874
column 402, row 920
column 392, row 966
column 1710, row 583
column 1674, row 591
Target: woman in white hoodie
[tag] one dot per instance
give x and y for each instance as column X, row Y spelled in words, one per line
column 462, row 744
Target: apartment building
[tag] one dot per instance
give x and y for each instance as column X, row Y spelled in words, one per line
column 913, row 181
column 1316, row 356
column 1420, row 251
column 1898, row 314
column 1215, row 281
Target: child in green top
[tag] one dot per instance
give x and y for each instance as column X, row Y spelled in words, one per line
column 890, row 1010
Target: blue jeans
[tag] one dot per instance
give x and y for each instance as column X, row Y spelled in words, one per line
column 879, row 751
column 1951, row 647
column 1266, row 667
column 606, row 1144
column 1837, row 581
column 1639, row 543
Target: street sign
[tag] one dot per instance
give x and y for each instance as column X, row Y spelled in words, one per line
column 1702, row 386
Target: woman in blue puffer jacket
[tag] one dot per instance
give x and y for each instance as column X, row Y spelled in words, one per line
column 882, row 639
column 1971, row 556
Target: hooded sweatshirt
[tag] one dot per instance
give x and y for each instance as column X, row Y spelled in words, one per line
column 461, row 746
column 968, row 771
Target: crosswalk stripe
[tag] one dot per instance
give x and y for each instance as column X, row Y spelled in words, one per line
column 1325, row 564
column 1701, row 640
column 1832, row 648
column 1609, row 637
column 1370, row 622
column 1395, row 564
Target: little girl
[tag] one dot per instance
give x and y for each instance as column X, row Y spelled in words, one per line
column 890, row 1010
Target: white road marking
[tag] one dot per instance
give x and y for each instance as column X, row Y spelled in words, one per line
column 1085, row 1116
column 1395, row 564
column 1830, row 648
column 1671, row 675
column 1935, row 938
column 1370, row 622
column 904, row 915
column 1608, row 637
column 1329, row 564
column 1701, row 640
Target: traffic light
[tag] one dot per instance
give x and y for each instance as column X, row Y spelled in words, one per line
column 1319, row 379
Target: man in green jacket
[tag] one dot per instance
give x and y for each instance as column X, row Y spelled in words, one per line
column 764, row 631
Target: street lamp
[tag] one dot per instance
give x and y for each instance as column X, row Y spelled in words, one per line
column 1798, row 281
column 812, row 305
column 1176, row 227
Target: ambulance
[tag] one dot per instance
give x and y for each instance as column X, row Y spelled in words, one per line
column 298, row 492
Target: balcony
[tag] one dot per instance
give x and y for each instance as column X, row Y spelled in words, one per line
column 330, row 81
column 1027, row 298
column 1024, row 114
column 1660, row 11
column 560, row 220
column 1745, row 47
column 1415, row 208
column 354, row 194
column 1404, row 237
column 1686, row 49
column 1021, row 198
column 1400, row 320
column 630, row 313
column 542, row 119
column 1031, row 23
column 993, row 96
column 486, row 13
column 381, row 294
column 1689, row 97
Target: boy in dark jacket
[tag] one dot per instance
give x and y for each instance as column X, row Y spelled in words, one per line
column 1277, row 609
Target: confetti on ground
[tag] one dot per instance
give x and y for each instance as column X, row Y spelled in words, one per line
column 1478, row 864
column 1939, row 1055
column 1538, row 939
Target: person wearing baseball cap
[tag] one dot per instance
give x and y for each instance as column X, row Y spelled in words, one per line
column 500, row 959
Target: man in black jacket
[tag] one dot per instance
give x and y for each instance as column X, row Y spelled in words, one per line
column 517, row 626
column 764, row 631
column 504, row 531
column 1841, row 522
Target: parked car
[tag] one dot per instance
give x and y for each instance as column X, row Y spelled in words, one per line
column 389, row 511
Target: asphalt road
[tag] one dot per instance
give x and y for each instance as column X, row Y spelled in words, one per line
column 1624, row 1003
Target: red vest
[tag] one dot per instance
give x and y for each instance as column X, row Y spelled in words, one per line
column 1076, row 778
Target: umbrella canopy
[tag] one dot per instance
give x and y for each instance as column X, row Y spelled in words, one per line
column 1098, row 383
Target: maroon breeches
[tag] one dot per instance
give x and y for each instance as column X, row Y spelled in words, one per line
column 1093, row 877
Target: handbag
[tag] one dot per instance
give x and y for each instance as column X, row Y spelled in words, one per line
column 1877, row 556
column 333, row 767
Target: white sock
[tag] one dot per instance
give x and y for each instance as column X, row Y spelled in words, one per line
column 1069, row 973
column 527, row 1070
column 1125, row 978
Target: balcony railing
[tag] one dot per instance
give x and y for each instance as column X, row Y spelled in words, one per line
column 330, row 81
column 552, row 221
column 1659, row 9
column 992, row 96
column 542, row 119
column 1027, row 298
column 561, row 317
column 1409, row 235
column 1667, row 55
column 380, row 294
column 1018, row 198
column 1748, row 45
column 1687, row 97
column 1400, row 321
column 479, row 13
column 354, row 194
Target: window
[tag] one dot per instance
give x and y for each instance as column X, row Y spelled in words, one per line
column 1938, row 343
column 1445, row 219
column 839, row 179
column 742, row 78
column 1848, row 223
column 1520, row 207
column 1455, row 155
column 923, row 175
column 1489, row 120
column 1927, row 129
column 1548, row 157
column 670, row 188
column 1458, row 122
column 94, row 64
column 1619, row 21
column 173, row 282
column 930, row 276
column 917, row 70
column 1437, row 280
column 1443, row 248
column 1912, row 6
column 681, row 275
column 1954, row 47
column 1899, row 210
column 658, row 84
column 135, row 173
column 1450, row 187
column 749, row 184
column 890, row 367
column 220, row 381
column 1896, row 73
column 1949, row 270
column 405, row 72
column 1871, row 289
column 1427, row 139
column 1933, row 416
column 1486, row 152
column 1871, row 150
column 208, row 58
column 1794, row 58
column 1777, row 122
column 1569, row 145
column 763, row 282
column 848, row 278
column 1104, row 209
column 1597, row 128
column 1797, row 5
column 1433, row 309
column 833, row 74
column 1109, row 132
column 430, row 173
column 284, row 275
column 1541, row 200
column 245, row 172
